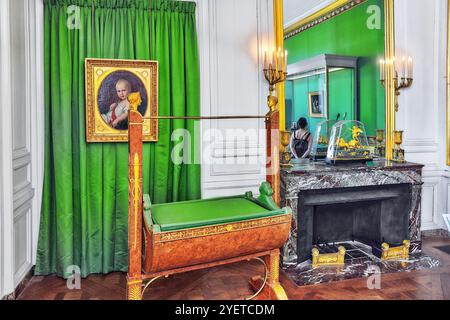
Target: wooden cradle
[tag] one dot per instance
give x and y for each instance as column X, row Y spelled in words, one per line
column 194, row 235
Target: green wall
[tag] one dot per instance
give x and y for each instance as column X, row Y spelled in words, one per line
column 341, row 96
column 346, row 34
column 342, row 93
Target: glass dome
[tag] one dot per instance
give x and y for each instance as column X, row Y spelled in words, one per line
column 348, row 143
column 321, row 139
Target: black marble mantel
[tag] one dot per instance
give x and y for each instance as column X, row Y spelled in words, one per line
column 318, row 175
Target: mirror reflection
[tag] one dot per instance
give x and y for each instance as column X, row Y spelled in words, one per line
column 334, row 73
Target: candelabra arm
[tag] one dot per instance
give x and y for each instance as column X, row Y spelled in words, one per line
column 399, row 84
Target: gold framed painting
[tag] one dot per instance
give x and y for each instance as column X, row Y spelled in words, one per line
column 315, row 105
column 108, row 85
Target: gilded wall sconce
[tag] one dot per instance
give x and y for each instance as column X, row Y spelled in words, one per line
column 406, row 75
column 275, row 72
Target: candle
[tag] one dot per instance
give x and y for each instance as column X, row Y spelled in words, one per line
column 410, row 68
column 280, row 60
column 404, row 69
column 277, row 60
column 272, row 61
column 382, row 70
column 265, row 60
column 286, row 60
column 392, row 64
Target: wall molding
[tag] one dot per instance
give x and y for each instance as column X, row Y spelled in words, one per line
column 300, row 17
column 21, row 159
column 319, row 17
column 21, row 170
column 37, row 101
column 433, row 184
column 6, row 212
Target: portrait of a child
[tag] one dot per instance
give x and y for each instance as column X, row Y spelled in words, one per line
column 118, row 111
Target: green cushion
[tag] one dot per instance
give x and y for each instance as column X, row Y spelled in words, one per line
column 192, row 214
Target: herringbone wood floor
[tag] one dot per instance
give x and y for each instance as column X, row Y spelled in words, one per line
column 231, row 282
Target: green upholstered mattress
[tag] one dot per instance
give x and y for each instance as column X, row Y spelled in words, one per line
column 192, row 214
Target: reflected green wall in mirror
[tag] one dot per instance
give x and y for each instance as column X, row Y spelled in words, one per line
column 346, row 34
column 341, row 96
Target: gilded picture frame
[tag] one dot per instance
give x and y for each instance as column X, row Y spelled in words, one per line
column 108, row 84
column 315, row 105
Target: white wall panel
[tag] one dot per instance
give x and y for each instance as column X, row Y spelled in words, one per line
column 22, row 186
column 232, row 37
column 22, row 240
column 6, row 212
column 20, row 138
column 421, row 33
column 430, row 203
column 18, row 75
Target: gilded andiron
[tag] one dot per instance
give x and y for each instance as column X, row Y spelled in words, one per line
column 329, row 259
column 396, row 253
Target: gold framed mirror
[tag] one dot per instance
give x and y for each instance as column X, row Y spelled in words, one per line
column 328, row 12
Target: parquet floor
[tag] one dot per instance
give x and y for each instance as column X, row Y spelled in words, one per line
column 230, row 283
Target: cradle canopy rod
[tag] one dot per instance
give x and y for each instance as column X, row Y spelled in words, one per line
column 205, row 118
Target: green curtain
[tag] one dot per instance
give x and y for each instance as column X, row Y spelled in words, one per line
column 85, row 196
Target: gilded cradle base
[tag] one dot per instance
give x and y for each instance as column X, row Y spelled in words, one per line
column 272, row 289
column 168, row 253
column 134, row 289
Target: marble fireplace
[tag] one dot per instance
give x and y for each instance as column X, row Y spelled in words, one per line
column 369, row 214
column 369, row 203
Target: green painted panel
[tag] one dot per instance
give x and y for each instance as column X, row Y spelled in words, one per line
column 341, row 93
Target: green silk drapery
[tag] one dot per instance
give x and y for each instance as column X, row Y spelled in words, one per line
column 85, row 196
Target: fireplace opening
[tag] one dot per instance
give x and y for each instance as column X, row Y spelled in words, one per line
column 345, row 217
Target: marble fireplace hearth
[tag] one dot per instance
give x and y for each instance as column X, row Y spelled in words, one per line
column 397, row 187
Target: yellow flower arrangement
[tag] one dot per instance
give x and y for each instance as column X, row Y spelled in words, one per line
column 356, row 132
column 342, row 143
column 323, row 140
